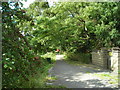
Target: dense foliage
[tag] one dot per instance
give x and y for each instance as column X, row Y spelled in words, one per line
column 69, row 26
column 83, row 58
column 19, row 58
column 77, row 26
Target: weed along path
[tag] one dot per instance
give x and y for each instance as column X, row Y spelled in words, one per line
column 72, row 76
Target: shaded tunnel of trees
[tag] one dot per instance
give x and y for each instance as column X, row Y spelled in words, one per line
column 69, row 26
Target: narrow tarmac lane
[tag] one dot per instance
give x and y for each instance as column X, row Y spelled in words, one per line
column 73, row 76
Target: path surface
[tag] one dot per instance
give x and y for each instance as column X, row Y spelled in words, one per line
column 73, row 76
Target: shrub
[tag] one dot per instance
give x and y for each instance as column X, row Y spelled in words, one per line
column 49, row 55
column 82, row 57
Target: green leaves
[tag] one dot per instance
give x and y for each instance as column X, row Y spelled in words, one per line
column 18, row 55
column 68, row 22
column 69, row 26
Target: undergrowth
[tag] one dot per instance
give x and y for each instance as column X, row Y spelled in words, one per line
column 37, row 80
column 50, row 55
column 78, row 58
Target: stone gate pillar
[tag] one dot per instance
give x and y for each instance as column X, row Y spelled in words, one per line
column 115, row 59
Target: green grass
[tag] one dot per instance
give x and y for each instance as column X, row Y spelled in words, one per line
column 88, row 72
column 75, row 61
column 79, row 62
column 51, row 78
column 37, row 80
column 113, row 78
column 118, row 71
column 52, row 86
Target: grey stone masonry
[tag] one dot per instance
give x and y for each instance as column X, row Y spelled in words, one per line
column 99, row 57
column 107, row 58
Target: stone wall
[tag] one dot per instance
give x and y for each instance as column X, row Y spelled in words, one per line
column 99, row 57
column 107, row 59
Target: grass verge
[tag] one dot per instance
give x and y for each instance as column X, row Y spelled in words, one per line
column 112, row 79
column 37, row 80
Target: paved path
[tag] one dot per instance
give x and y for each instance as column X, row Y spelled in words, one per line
column 73, row 76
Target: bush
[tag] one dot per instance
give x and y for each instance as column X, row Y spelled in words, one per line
column 82, row 57
column 50, row 55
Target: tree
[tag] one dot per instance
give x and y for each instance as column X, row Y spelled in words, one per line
column 79, row 26
column 17, row 54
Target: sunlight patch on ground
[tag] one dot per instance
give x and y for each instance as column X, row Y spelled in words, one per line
column 59, row 57
column 83, row 77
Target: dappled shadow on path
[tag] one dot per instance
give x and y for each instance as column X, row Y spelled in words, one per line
column 73, row 76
